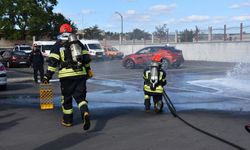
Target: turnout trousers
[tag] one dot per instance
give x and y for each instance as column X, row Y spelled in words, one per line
column 157, row 99
column 73, row 88
column 39, row 68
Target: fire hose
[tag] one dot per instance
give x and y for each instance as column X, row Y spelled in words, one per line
column 247, row 127
column 174, row 113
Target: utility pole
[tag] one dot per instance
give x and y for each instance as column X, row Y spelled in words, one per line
column 121, row 34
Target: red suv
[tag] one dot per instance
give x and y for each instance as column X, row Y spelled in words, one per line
column 171, row 57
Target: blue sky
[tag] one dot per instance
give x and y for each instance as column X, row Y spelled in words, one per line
column 147, row 14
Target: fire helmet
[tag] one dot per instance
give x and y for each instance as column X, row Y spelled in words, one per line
column 65, row 28
column 156, row 58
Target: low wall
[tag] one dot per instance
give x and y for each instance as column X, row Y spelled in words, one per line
column 212, row 51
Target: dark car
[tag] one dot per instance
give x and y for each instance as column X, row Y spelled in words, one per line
column 16, row 59
column 3, row 77
column 171, row 57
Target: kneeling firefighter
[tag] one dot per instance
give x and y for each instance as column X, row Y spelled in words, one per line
column 74, row 69
column 154, row 80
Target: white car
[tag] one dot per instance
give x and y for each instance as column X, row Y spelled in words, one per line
column 45, row 46
column 26, row 48
column 94, row 48
column 3, row 77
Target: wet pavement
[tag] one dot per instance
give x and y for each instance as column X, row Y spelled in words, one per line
column 214, row 96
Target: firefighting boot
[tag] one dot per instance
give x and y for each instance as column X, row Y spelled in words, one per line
column 147, row 105
column 67, row 120
column 158, row 107
column 147, row 109
column 86, row 121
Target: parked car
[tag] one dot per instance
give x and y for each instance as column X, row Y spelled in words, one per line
column 112, row 52
column 3, row 77
column 45, row 46
column 94, row 48
column 171, row 57
column 16, row 59
column 3, row 50
column 25, row 48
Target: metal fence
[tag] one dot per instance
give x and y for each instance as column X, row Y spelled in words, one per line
column 223, row 34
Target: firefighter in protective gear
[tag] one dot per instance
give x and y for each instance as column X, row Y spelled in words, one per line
column 154, row 81
column 73, row 60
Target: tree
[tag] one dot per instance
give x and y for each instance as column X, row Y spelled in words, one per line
column 187, row 36
column 112, row 35
column 161, row 31
column 138, row 34
column 56, row 20
column 20, row 19
column 93, row 33
column 20, row 16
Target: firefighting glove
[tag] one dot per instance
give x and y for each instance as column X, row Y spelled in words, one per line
column 90, row 74
column 45, row 80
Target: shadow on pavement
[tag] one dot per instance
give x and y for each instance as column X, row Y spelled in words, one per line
column 101, row 116
column 10, row 124
column 60, row 143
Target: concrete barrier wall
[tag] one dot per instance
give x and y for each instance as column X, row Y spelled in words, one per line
column 5, row 44
column 220, row 52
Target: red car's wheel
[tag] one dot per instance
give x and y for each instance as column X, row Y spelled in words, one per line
column 129, row 64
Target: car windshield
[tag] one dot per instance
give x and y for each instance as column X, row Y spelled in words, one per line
column 94, row 46
column 25, row 48
column 144, row 51
column 19, row 53
column 113, row 49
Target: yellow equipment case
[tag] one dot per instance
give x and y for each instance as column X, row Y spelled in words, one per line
column 46, row 96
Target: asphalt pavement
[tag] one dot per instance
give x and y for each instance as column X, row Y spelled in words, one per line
column 125, row 128
column 123, row 124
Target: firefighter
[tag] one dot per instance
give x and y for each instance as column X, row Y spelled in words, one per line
column 154, row 81
column 74, row 69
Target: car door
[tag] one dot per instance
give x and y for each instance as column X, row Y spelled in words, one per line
column 142, row 55
column 153, row 51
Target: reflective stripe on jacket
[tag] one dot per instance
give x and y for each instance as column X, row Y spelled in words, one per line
column 60, row 56
column 159, row 86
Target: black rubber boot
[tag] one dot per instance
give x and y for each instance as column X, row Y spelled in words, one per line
column 67, row 120
column 86, row 121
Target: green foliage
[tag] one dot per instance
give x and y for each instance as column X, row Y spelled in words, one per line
column 138, row 34
column 112, row 35
column 20, row 19
column 187, row 36
column 93, row 33
column 161, row 31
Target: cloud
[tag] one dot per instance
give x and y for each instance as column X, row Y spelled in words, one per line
column 162, row 8
column 134, row 16
column 145, row 18
column 87, row 11
column 240, row 5
column 195, row 18
column 130, row 12
column 241, row 18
